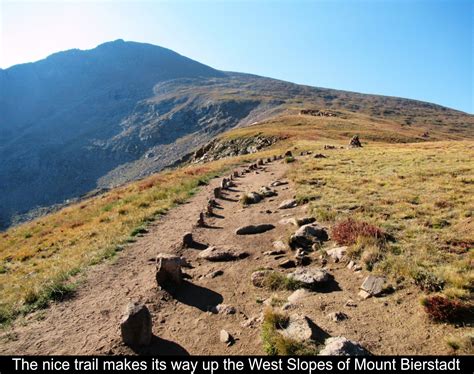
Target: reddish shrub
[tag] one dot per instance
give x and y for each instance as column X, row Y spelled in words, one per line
column 442, row 309
column 346, row 232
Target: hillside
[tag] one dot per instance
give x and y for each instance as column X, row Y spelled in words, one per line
column 81, row 121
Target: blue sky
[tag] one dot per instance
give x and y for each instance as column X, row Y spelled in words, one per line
column 408, row 48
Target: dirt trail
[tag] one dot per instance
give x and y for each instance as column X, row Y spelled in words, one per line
column 89, row 322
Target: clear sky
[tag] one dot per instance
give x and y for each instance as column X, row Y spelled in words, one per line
column 421, row 49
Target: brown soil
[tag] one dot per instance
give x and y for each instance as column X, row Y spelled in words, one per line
column 89, row 322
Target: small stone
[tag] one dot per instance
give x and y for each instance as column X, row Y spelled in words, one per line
column 225, row 337
column 221, row 254
column 287, row 264
column 364, row 294
column 279, row 245
column 304, row 221
column 215, row 274
column 287, row 204
column 337, row 316
column 308, row 235
column 266, row 192
column 373, row 285
column 298, row 296
column 188, row 241
column 337, row 254
column 350, row 303
column 258, row 278
column 254, row 229
column 310, row 277
column 299, row 328
column 224, row 309
column 340, row 346
column 274, row 253
column 278, row 183
column 136, row 325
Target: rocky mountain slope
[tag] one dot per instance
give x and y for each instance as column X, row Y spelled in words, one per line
column 82, row 120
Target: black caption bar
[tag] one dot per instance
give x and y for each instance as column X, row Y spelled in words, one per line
column 235, row 364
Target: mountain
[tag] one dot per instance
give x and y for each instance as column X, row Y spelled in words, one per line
column 84, row 120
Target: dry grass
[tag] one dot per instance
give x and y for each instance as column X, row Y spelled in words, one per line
column 422, row 195
column 37, row 259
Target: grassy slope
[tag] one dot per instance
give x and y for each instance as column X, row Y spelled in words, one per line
column 419, row 192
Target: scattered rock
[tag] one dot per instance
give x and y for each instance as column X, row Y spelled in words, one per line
column 310, row 277
column 221, row 254
column 304, row 221
column 307, row 235
column 253, row 198
column 287, row 204
column 136, row 325
column 225, row 337
column 337, row 254
column 278, row 183
column 350, row 303
column 355, row 142
column 337, row 316
column 287, row 264
column 298, row 328
column 275, row 252
column 279, row 245
column 188, row 241
column 298, row 295
column 215, row 274
column 254, row 229
column 168, row 270
column 258, row 278
column 224, row 309
column 267, row 192
column 373, row 285
column 340, row 346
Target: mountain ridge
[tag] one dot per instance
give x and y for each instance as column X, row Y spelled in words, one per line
column 80, row 120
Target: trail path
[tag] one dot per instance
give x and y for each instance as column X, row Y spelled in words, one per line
column 89, row 322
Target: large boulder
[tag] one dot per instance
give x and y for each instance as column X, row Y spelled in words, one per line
column 310, row 277
column 168, row 270
column 136, row 325
column 340, row 346
column 254, row 229
column 307, row 235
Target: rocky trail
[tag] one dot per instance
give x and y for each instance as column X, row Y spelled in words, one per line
column 189, row 320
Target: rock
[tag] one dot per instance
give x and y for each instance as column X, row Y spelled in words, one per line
column 364, row 294
column 319, row 155
column 220, row 254
column 201, row 222
column 298, row 295
column 260, row 161
column 287, row 204
column 279, row 245
column 337, row 316
column 215, row 274
column 253, row 198
column 258, row 278
column 340, row 346
column 288, row 221
column 275, row 252
column 217, row 192
column 209, row 210
column 309, row 277
column 304, row 221
column 188, row 241
column 136, row 325
column 350, row 265
column 337, row 254
column 278, row 183
column 266, row 192
column 355, row 142
column 288, row 154
column 350, row 303
column 373, row 285
column 168, row 270
column 225, row 337
column 287, row 264
column 224, row 183
column 298, row 328
column 308, row 235
column 224, row 309
column 254, row 229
